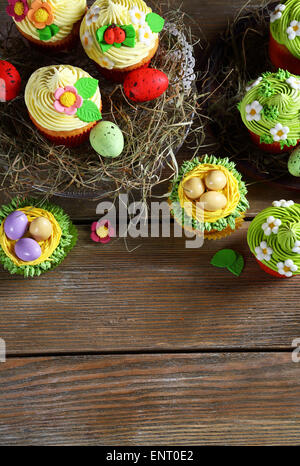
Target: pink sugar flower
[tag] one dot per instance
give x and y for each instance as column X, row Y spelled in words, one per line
column 102, row 231
column 67, row 100
column 18, row 9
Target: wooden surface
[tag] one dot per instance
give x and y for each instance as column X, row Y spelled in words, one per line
column 152, row 346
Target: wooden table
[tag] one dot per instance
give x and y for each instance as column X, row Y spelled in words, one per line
column 153, row 346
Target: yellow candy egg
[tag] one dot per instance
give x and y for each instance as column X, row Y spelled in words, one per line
column 41, row 229
column 213, row 201
column 215, row 180
column 193, row 188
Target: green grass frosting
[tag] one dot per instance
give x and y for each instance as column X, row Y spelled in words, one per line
column 67, row 241
column 271, row 108
column 221, row 224
column 284, row 24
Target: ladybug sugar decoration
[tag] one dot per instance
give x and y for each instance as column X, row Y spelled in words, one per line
column 145, row 84
column 114, row 34
column 10, row 81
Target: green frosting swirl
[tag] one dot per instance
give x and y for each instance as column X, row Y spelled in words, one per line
column 284, row 241
column 280, row 25
column 280, row 104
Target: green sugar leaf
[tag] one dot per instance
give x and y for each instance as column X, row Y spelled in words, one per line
column 117, row 45
column 224, row 258
column 129, row 42
column 45, row 34
column 129, row 30
column 155, row 22
column 86, row 87
column 100, row 34
column 238, row 266
column 54, row 29
column 89, row 112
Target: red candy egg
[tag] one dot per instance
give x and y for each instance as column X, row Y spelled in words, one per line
column 10, row 81
column 145, row 84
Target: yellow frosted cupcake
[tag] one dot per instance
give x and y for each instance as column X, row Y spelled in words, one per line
column 120, row 36
column 51, row 24
column 64, row 103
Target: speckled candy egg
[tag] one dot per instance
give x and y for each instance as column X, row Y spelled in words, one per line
column 107, row 139
column 193, row 188
column 27, row 249
column 15, row 225
column 10, row 81
column 145, row 84
column 213, row 201
column 294, row 162
column 40, row 229
column 215, row 180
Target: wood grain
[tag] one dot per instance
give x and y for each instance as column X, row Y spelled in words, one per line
column 182, row 399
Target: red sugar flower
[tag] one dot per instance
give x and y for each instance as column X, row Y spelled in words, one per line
column 18, row 9
column 102, row 231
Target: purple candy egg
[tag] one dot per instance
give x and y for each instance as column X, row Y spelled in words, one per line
column 15, row 225
column 27, row 249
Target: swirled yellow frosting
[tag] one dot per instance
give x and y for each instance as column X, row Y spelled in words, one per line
column 66, row 14
column 39, row 96
column 114, row 12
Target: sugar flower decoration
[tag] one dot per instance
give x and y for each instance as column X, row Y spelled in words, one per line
column 92, row 15
column 280, row 132
column 296, row 247
column 102, row 231
column 263, row 252
column 254, row 84
column 137, row 16
column 271, row 226
column 253, row 111
column 277, row 13
column 293, row 30
column 287, row 268
column 145, row 35
column 67, row 100
column 87, row 40
column 18, row 9
column 40, row 14
column 106, row 63
column 283, row 203
column 294, row 83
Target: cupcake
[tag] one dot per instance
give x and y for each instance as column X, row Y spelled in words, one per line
column 209, row 197
column 49, row 24
column 274, row 239
column 120, row 36
column 64, row 103
column 35, row 236
column 284, row 45
column 271, row 110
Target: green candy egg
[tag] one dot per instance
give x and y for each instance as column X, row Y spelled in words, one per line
column 294, row 162
column 107, row 139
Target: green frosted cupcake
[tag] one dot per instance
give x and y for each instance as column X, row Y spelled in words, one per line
column 274, row 239
column 271, row 111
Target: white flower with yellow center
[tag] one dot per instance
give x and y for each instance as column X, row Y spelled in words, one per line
column 283, row 203
column 271, row 226
column 280, row 132
column 294, row 83
column 277, row 13
column 255, row 83
column 87, row 40
column 137, row 16
column 296, row 247
column 106, row 63
column 263, row 252
column 92, row 15
column 145, row 35
column 253, row 111
column 293, row 30
column 287, row 268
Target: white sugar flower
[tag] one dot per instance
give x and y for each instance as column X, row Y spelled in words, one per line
column 294, row 83
column 280, row 132
column 263, row 252
column 255, row 83
column 293, row 30
column 253, row 111
column 92, row 15
column 145, row 35
column 277, row 13
column 283, row 203
column 287, row 268
column 296, row 247
column 87, row 40
column 105, row 62
column 137, row 16
column 271, row 226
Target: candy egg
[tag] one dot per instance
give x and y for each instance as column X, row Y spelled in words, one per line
column 10, row 81
column 215, row 180
column 107, row 139
column 145, row 84
column 294, row 162
column 40, row 229
column 28, row 250
column 193, row 188
column 15, row 225
column 213, row 201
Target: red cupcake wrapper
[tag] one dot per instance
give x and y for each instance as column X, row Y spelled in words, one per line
column 281, row 57
column 117, row 76
column 269, row 271
column 271, row 148
column 68, row 141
